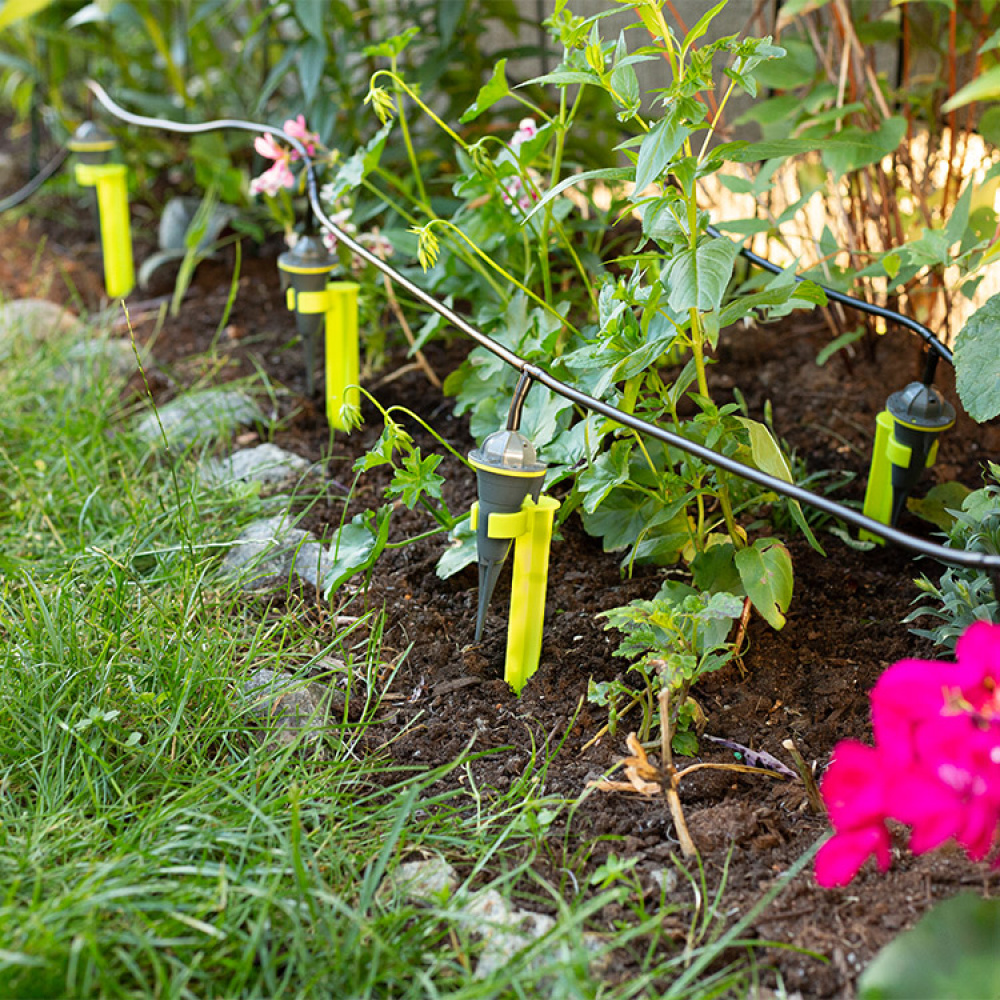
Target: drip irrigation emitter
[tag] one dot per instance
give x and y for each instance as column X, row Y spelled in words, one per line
column 497, row 457
column 93, row 147
column 319, row 303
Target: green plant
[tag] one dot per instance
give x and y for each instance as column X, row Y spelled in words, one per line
column 962, row 595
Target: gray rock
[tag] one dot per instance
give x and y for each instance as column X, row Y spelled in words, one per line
column 290, row 707
column 269, row 551
column 210, row 414
column 34, row 319
column 98, row 356
column 267, row 463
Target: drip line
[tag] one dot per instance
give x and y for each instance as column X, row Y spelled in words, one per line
column 15, row 199
column 532, row 373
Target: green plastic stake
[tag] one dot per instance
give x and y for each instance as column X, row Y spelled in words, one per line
column 907, row 432
column 93, row 146
column 531, row 530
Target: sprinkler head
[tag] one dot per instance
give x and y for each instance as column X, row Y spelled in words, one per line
column 507, row 471
column 306, row 269
column 906, row 436
column 920, row 414
column 92, row 143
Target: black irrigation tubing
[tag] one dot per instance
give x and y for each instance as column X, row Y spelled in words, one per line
column 15, row 199
column 532, row 373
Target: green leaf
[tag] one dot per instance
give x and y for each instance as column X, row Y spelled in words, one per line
column 310, row 15
column 854, row 147
column 796, row 69
column 460, row 553
column 940, row 501
column 952, row 952
column 765, row 570
column 602, row 174
column 495, row 89
column 698, row 279
column 608, row 470
column 311, row 62
column 701, row 26
column 657, row 150
column 16, row 10
column 356, row 546
column 416, row 478
column 977, row 362
column 844, row 340
column 985, row 87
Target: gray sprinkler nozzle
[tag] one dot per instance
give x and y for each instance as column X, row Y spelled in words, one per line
column 907, row 431
column 306, row 269
column 507, row 471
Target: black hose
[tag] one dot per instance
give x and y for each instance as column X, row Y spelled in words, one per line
column 955, row 557
column 12, row 200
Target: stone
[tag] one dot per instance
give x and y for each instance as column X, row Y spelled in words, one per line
column 290, row 706
column 34, row 319
column 209, row 414
column 269, row 551
column 423, row 881
column 98, row 356
column 266, row 463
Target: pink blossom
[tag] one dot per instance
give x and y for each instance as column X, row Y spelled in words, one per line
column 935, row 765
column 269, row 147
column 296, row 128
column 273, row 179
column 527, row 129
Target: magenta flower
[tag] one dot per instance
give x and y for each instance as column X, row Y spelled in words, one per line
column 935, row 765
column 269, row 147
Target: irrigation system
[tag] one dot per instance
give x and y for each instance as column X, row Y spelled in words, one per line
column 531, row 374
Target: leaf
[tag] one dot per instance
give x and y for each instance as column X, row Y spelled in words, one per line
column 657, row 150
column 977, row 362
column 602, row 174
column 311, row 62
column 985, row 87
column 952, row 952
column 495, row 89
column 854, row 148
column 356, row 546
column 844, row 340
column 310, row 15
column 701, row 26
column 416, row 478
column 16, row 10
column 937, row 505
column 463, row 550
column 765, row 570
column 698, row 279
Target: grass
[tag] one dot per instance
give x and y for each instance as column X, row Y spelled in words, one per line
column 153, row 845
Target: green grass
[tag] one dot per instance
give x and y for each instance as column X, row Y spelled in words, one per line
column 151, row 843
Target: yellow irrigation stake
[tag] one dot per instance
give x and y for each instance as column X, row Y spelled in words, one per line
column 531, row 530
column 93, row 146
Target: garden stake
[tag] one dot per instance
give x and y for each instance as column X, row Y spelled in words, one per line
column 906, row 440
column 313, row 298
column 510, row 508
column 93, row 146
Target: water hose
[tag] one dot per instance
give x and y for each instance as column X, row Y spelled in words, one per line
column 15, row 199
column 529, row 373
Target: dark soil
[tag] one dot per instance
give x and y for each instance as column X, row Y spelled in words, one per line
column 807, row 682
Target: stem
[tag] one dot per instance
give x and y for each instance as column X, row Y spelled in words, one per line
column 410, row 151
column 670, row 779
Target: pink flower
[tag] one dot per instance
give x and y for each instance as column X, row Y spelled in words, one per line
column 296, row 128
column 269, row 147
column 273, row 179
column 527, row 129
column 935, row 765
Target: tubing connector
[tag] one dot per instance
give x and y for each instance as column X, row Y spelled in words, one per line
column 93, row 146
column 906, row 442
column 313, row 297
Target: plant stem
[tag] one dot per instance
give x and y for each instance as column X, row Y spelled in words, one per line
column 670, row 778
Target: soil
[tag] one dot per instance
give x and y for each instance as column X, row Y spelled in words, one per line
column 807, row 683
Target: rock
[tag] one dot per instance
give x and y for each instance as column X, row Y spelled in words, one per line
column 98, row 356
column 270, row 550
column 289, row 705
column 200, row 416
column 35, row 319
column 423, row 881
column 267, row 463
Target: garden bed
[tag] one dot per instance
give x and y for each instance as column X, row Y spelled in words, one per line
column 808, row 682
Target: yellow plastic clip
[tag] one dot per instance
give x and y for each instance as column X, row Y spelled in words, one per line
column 116, row 235
column 531, row 529
column 343, row 366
